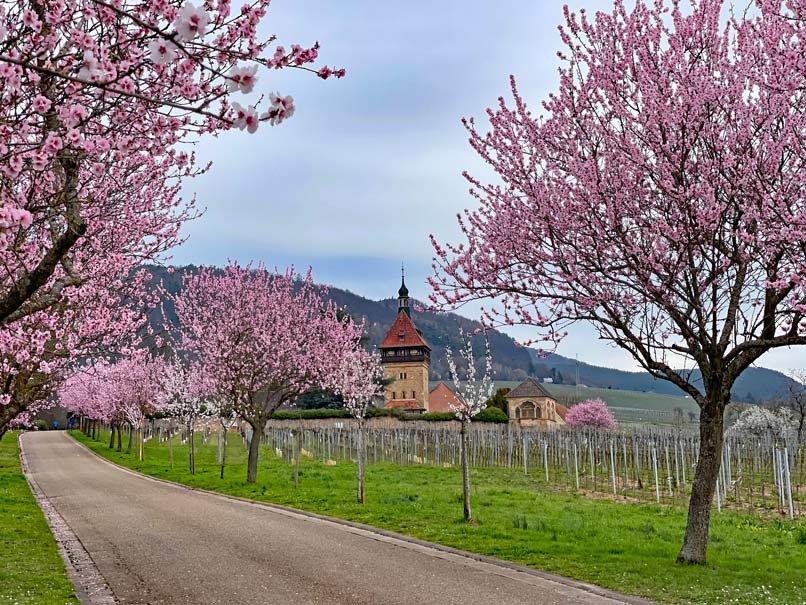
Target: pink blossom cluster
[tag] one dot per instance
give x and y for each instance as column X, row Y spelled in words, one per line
column 592, row 413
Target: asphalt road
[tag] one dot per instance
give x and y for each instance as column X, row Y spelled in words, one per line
column 158, row 543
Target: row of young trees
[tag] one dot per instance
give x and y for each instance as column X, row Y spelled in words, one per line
column 100, row 104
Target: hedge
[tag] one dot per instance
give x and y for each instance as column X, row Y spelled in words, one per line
column 487, row 415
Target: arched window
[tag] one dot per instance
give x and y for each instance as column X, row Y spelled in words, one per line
column 527, row 410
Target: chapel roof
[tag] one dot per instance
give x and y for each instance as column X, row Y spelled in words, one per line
column 528, row 388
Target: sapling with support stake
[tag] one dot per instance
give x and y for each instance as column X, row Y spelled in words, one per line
column 472, row 395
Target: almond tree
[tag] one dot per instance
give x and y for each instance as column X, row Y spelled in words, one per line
column 593, row 413
column 262, row 338
column 660, row 197
column 472, row 394
column 358, row 379
column 100, row 103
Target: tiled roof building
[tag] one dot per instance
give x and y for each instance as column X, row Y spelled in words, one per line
column 405, row 356
column 530, row 404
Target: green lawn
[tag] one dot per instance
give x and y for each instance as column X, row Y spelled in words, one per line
column 622, row 546
column 31, row 570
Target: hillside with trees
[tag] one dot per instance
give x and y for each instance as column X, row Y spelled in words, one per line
column 511, row 362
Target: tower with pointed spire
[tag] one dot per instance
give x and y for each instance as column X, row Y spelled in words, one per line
column 406, row 357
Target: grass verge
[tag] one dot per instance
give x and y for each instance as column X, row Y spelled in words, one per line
column 31, row 569
column 622, row 546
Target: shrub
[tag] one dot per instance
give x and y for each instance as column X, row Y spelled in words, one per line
column 491, row 415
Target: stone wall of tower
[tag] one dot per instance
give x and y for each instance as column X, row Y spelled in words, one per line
column 416, row 381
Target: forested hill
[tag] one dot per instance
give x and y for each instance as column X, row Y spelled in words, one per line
column 510, row 361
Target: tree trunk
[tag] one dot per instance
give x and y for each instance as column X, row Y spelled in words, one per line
column 465, row 474
column 191, row 449
column 361, row 452
column 131, row 436
column 297, row 452
column 112, row 435
column 254, row 450
column 222, row 448
column 7, row 414
column 695, row 541
column 120, row 436
column 171, row 442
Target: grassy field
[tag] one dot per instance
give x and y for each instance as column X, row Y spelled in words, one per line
column 31, row 570
column 622, row 546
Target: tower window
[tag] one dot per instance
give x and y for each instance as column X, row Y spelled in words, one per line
column 413, row 396
column 403, row 395
column 403, row 376
column 394, row 395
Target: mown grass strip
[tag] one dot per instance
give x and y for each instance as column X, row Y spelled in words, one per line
column 31, row 569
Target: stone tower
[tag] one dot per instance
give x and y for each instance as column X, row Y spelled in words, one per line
column 405, row 356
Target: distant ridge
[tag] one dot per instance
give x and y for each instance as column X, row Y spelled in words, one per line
column 511, row 362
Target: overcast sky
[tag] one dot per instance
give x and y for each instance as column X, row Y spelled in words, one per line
column 371, row 164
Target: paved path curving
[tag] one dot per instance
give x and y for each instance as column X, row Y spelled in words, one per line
column 158, row 543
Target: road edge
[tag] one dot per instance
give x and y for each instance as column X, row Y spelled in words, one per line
column 385, row 533
column 90, row 586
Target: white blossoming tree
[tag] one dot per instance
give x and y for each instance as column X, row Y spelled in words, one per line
column 472, row 395
column 358, row 381
column 184, row 399
column 757, row 421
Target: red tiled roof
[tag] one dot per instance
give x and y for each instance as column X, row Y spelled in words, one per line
column 408, row 404
column 561, row 410
column 403, row 333
column 441, row 398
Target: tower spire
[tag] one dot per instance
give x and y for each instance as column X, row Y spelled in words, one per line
column 403, row 293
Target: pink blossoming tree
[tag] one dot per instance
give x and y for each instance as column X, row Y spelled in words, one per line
column 661, row 196
column 263, row 339
column 100, row 103
column 592, row 413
